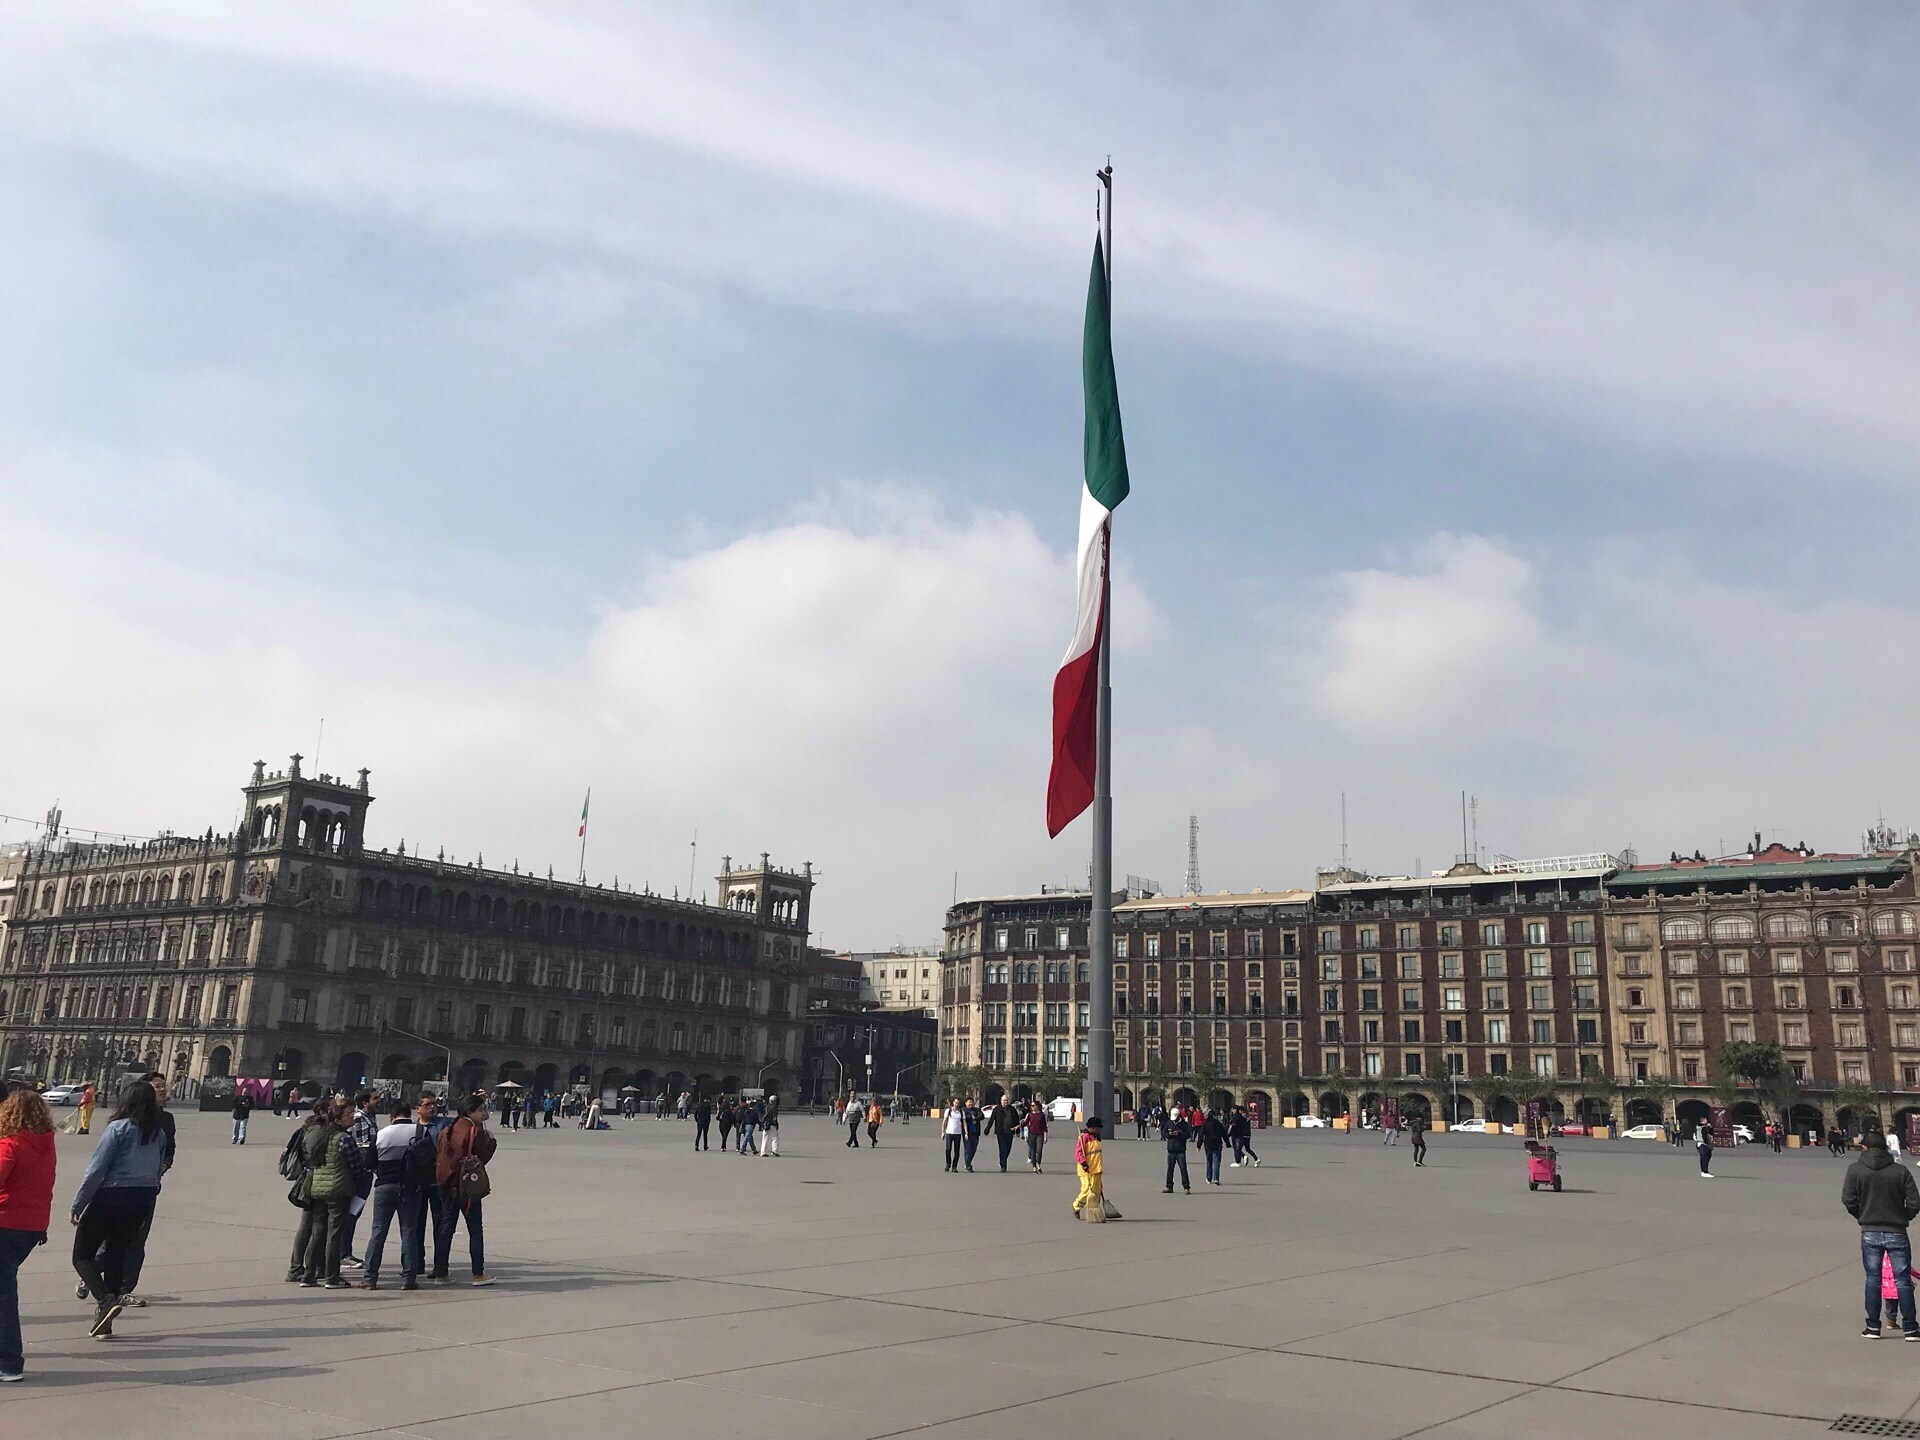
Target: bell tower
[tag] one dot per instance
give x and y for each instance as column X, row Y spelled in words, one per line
column 290, row 813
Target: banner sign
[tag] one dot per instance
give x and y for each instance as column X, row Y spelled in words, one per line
column 1720, row 1122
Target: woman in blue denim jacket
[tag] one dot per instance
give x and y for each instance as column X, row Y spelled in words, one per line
column 115, row 1201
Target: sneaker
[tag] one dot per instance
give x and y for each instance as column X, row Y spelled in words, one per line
column 133, row 1302
column 80, row 1291
column 1233, row 1165
column 1706, row 1175
column 1910, row 1336
column 441, row 1279
column 1872, row 1332
column 369, row 1284
column 352, row 1262
column 480, row 1280
column 337, row 1282
column 104, row 1317
column 306, row 1284
column 12, row 1377
column 1168, row 1190
column 410, row 1285
column 294, row 1277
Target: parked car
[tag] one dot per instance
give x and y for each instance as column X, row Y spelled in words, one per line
column 1311, row 1122
column 1573, row 1128
column 64, row 1094
column 1644, row 1132
column 1468, row 1127
column 1064, row 1107
column 1742, row 1135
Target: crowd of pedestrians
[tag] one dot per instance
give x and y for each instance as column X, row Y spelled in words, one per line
column 1009, row 1121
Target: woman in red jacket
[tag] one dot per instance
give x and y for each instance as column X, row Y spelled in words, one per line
column 26, row 1197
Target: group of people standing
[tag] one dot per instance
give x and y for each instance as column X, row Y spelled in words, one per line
column 420, row 1166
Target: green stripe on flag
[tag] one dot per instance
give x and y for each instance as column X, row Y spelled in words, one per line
column 1106, row 457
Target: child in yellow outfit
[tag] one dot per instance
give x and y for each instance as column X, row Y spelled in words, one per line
column 1087, row 1160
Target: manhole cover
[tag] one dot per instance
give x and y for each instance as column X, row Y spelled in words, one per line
column 1874, row 1425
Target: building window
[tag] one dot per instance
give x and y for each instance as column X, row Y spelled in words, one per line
column 1493, row 965
column 1492, row 932
column 1153, row 945
column 1543, row 1065
column 1538, row 963
column 1496, row 997
column 1496, row 1031
column 1536, row 932
column 1453, row 997
column 1543, row 1032
column 1409, row 967
column 299, row 1003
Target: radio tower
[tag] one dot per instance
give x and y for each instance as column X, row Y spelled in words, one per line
column 1193, row 855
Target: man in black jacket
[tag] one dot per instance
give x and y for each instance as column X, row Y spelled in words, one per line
column 1880, row 1194
column 1175, row 1130
column 1003, row 1124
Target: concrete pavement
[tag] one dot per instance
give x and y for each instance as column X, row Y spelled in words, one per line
column 645, row 1290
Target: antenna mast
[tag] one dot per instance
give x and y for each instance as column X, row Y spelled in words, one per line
column 1193, row 854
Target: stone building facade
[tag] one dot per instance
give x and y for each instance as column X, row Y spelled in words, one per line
column 289, row 950
column 1013, row 987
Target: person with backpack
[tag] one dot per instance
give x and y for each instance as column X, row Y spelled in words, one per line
column 1213, row 1140
column 116, row 1198
column 333, row 1169
column 293, row 1167
column 1882, row 1197
column 405, row 1168
column 460, row 1173
column 1036, row 1127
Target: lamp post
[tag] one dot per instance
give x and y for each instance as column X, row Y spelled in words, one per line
column 763, row 1074
column 896, row 1080
column 395, row 1029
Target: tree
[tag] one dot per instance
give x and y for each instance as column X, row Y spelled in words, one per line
column 1857, row 1096
column 1594, row 1081
column 1783, row 1089
column 1486, row 1089
column 1205, row 1080
column 1287, row 1082
column 1750, row 1060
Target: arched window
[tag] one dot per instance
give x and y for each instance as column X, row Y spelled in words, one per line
column 216, row 885
column 1731, row 927
column 1893, row 922
column 1838, row 925
column 1681, row 927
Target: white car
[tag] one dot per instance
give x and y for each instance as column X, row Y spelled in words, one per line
column 1644, row 1132
column 1310, row 1122
column 1468, row 1127
column 64, row 1094
column 1742, row 1135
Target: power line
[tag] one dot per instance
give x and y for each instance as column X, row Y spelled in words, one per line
column 66, row 829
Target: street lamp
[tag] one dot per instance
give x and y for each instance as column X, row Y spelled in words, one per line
column 385, row 1027
column 896, row 1080
column 763, row 1074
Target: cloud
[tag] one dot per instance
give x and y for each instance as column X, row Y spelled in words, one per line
column 1403, row 648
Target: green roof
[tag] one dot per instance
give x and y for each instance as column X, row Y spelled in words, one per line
column 1815, row 870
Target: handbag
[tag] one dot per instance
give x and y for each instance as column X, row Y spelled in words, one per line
column 470, row 1180
column 300, row 1193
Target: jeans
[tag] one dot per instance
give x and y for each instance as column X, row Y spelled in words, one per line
column 1036, row 1142
column 1239, row 1151
column 953, row 1152
column 410, row 1206
column 239, row 1129
column 117, row 1218
column 327, row 1223
column 853, row 1133
column 445, row 1216
column 1212, row 1152
column 15, row 1246
column 873, row 1134
column 1178, row 1158
column 1895, row 1246
column 1706, row 1158
column 1006, row 1147
column 970, row 1147
column 351, row 1223
column 746, row 1140
column 700, row 1141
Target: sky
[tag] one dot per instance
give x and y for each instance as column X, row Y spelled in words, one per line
column 684, row 402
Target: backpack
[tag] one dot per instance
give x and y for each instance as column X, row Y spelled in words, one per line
column 293, row 1160
column 419, row 1165
column 470, row 1180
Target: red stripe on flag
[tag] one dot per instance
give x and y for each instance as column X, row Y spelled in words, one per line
column 1076, row 703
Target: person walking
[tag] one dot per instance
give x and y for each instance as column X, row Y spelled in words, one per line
column 362, row 1127
column 460, row 1174
column 1005, row 1124
column 242, row 1108
column 1703, row 1147
column 975, row 1121
column 1090, row 1164
column 115, row 1200
column 855, row 1114
column 332, row 1172
column 875, row 1118
column 1036, row 1127
column 1239, row 1135
column 404, row 1167
column 729, row 1117
column 770, row 1128
column 1140, row 1118
column 26, row 1208
column 953, row 1127
column 749, row 1118
column 1883, row 1199
column 1213, row 1140
column 85, row 1118
column 702, row 1119
column 1417, row 1133
column 1176, row 1132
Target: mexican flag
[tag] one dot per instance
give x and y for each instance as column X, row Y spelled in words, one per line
column 1076, row 687
column 584, row 804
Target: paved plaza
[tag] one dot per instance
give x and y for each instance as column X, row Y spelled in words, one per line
column 645, row 1290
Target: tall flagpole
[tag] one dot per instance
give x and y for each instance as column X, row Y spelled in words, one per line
column 1097, row 1097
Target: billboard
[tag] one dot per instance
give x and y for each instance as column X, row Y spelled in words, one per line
column 1720, row 1122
